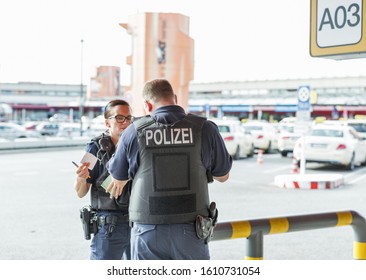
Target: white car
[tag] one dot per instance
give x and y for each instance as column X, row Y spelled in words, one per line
column 359, row 125
column 287, row 139
column 333, row 144
column 265, row 135
column 11, row 131
column 238, row 142
column 48, row 128
column 69, row 130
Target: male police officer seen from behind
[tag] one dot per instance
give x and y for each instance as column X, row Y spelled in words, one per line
column 112, row 240
column 168, row 155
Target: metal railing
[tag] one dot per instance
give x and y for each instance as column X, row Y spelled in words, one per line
column 254, row 230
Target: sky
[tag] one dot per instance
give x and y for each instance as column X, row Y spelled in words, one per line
column 235, row 40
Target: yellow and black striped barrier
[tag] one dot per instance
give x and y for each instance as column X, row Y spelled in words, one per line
column 254, row 230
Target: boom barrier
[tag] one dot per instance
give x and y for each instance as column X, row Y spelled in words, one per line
column 254, row 230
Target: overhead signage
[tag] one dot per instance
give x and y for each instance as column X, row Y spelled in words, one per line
column 337, row 29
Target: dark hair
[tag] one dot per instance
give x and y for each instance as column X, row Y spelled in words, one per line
column 158, row 89
column 113, row 103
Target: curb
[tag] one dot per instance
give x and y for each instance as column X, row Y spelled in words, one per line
column 38, row 143
column 309, row 181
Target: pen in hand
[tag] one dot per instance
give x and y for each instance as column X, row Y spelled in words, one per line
column 74, row 163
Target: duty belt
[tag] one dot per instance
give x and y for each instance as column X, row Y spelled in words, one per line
column 111, row 219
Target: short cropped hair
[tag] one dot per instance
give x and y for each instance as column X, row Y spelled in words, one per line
column 157, row 89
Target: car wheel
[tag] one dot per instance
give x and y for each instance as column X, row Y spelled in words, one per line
column 351, row 165
column 364, row 162
column 251, row 152
column 269, row 147
column 237, row 153
column 284, row 154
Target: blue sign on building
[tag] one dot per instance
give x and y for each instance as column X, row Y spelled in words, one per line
column 303, row 98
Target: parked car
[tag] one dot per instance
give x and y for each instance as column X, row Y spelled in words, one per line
column 287, row 138
column 48, row 128
column 69, row 130
column 287, row 120
column 265, row 135
column 238, row 142
column 96, row 126
column 333, row 144
column 30, row 125
column 12, row 131
column 359, row 125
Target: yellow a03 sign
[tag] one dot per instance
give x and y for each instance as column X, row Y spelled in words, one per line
column 337, row 29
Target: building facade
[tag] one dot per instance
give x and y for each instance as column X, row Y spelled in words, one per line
column 274, row 99
column 37, row 101
column 267, row 99
column 161, row 48
column 106, row 83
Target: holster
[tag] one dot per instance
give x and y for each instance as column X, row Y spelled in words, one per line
column 88, row 219
column 205, row 225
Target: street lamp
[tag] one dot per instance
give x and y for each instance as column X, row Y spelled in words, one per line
column 81, row 105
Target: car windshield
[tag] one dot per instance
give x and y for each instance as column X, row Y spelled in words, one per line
column 360, row 127
column 327, row 133
column 288, row 128
column 224, row 128
column 251, row 128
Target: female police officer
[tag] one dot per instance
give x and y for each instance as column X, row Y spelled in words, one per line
column 112, row 239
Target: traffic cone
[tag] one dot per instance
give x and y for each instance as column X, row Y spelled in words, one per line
column 260, row 157
column 295, row 167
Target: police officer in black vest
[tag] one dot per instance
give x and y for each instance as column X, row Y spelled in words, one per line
column 111, row 240
column 171, row 157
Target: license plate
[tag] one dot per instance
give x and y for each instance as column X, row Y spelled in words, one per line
column 319, row 146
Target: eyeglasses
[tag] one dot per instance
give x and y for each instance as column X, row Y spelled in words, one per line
column 122, row 119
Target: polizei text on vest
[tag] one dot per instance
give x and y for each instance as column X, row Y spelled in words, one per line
column 170, row 136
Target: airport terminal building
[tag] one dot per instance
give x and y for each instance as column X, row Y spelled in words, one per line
column 275, row 99
column 265, row 99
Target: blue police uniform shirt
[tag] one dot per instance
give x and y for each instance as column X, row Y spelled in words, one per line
column 124, row 163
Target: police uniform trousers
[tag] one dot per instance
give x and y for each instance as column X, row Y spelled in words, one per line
column 167, row 242
column 113, row 245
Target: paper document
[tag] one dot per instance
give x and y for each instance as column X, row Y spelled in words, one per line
column 92, row 159
column 107, row 181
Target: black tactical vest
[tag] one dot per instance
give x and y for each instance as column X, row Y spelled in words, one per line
column 100, row 200
column 170, row 185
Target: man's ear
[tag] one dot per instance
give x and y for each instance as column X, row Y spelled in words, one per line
column 147, row 106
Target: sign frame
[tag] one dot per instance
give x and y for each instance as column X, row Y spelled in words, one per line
column 338, row 52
